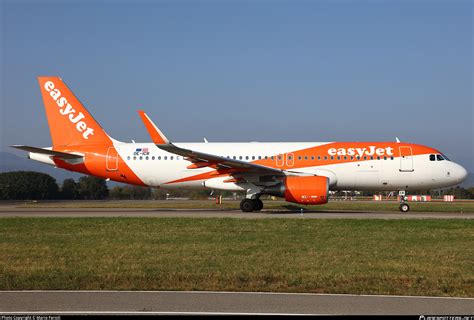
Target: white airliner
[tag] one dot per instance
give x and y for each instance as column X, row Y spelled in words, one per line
column 300, row 172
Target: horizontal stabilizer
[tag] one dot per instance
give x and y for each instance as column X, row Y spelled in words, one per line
column 59, row 154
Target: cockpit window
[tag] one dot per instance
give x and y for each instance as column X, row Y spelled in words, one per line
column 432, row 157
column 445, row 158
column 439, row 157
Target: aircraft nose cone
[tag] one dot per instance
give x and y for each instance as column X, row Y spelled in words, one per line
column 461, row 173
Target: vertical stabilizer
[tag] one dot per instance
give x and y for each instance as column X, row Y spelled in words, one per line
column 69, row 121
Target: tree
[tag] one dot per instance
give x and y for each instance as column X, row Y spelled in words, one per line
column 70, row 189
column 119, row 193
column 27, row 185
column 92, row 188
column 131, row 193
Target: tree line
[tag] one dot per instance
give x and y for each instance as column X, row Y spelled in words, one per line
column 30, row 185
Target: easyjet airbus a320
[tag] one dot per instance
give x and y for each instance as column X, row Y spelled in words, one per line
column 300, row 172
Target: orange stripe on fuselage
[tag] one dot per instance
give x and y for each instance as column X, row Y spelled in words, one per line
column 95, row 164
column 207, row 175
column 323, row 151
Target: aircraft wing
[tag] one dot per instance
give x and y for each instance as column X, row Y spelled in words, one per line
column 59, row 154
column 202, row 159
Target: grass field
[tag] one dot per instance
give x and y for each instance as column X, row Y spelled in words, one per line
column 402, row 257
column 458, row 206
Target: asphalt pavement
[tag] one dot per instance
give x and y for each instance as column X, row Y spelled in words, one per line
column 176, row 302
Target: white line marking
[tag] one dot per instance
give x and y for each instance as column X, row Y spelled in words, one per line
column 153, row 312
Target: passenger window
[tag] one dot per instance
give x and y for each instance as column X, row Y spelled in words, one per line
column 432, row 157
column 338, row 157
column 159, row 157
column 391, row 158
column 439, row 157
column 290, row 157
column 171, row 158
column 345, row 157
column 319, row 157
column 325, row 157
column 312, row 157
column 247, row 157
column 141, row 158
column 134, row 158
column 299, row 157
column 153, row 158
column 259, row 157
column 332, row 157
column 146, row 158
column 253, row 157
column 240, row 157
column 128, row 158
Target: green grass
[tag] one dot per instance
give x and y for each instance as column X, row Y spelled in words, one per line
column 459, row 206
column 402, row 257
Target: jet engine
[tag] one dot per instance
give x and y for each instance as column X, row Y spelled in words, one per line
column 301, row 189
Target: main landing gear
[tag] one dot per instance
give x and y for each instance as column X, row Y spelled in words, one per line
column 249, row 205
column 404, row 207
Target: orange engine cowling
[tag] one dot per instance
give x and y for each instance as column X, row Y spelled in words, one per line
column 303, row 190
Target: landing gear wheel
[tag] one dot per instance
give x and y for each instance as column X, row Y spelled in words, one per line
column 258, row 204
column 247, row 205
column 404, row 207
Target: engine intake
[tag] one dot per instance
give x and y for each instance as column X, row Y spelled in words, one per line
column 303, row 190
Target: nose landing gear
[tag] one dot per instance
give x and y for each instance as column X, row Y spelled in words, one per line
column 404, row 207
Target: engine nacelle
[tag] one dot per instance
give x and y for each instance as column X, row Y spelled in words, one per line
column 303, row 189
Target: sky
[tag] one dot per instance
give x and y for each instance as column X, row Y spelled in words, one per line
column 246, row 70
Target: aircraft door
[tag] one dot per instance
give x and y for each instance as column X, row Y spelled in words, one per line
column 280, row 160
column 111, row 161
column 406, row 159
column 290, row 159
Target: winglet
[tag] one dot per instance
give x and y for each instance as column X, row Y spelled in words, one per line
column 156, row 135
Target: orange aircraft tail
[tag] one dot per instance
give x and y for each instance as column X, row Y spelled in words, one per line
column 69, row 121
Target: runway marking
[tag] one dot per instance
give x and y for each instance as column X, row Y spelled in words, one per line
column 159, row 313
